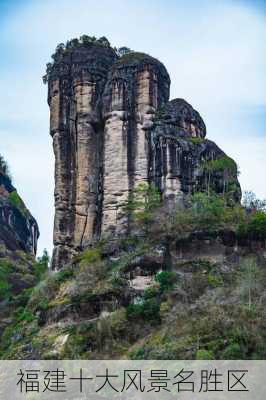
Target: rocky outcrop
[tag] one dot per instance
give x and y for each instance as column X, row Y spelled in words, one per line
column 76, row 86
column 180, row 154
column 114, row 128
column 18, row 229
column 138, row 84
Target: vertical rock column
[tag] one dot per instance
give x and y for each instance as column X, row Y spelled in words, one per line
column 59, row 129
column 76, row 84
column 146, row 104
column 132, row 96
column 116, row 179
column 171, row 185
column 86, row 162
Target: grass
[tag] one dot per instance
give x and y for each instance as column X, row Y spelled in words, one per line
column 17, row 202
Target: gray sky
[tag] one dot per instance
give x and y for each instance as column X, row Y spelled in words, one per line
column 214, row 52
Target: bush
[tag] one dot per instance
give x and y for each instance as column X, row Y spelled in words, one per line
column 166, row 280
column 215, row 280
column 5, row 287
column 257, row 225
column 148, row 310
column 64, row 275
column 16, row 202
column 89, row 256
column 22, row 314
column 4, row 169
column 143, row 202
column 151, row 292
column 208, row 210
column 138, row 354
column 203, row 354
column 41, row 265
column 195, row 140
column 233, row 352
column 254, row 227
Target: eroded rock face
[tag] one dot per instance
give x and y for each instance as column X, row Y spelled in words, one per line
column 18, row 229
column 114, row 128
column 75, row 96
column 137, row 85
column 178, row 151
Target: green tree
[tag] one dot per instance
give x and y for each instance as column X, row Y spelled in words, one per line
column 225, row 165
column 142, row 203
column 208, row 210
column 104, row 41
column 257, row 225
column 252, row 203
column 4, row 169
column 123, row 50
column 41, row 265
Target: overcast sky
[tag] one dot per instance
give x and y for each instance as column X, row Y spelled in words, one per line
column 214, row 52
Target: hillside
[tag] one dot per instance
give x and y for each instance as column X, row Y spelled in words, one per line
column 178, row 290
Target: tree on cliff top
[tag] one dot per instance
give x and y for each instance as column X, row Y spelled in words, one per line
column 4, row 168
column 64, row 48
column 123, row 50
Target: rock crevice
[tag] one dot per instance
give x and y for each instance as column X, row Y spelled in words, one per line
column 113, row 127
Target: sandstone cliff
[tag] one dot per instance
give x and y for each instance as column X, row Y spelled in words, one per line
column 18, row 229
column 113, row 128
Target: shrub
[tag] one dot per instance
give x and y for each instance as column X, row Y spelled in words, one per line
column 195, row 140
column 63, row 275
column 257, row 225
column 215, row 280
column 16, row 202
column 208, row 210
column 22, row 314
column 4, row 169
column 89, row 256
column 41, row 265
column 166, row 279
column 138, row 354
column 62, row 49
column 233, row 352
column 151, row 292
column 5, row 287
column 23, row 297
column 203, row 354
column 143, row 201
column 254, row 227
column 148, row 310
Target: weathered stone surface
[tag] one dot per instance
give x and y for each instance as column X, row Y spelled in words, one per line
column 178, row 150
column 137, row 85
column 76, row 84
column 18, row 229
column 180, row 118
column 114, row 128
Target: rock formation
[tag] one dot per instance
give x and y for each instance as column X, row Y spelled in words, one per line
column 113, row 127
column 18, row 229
